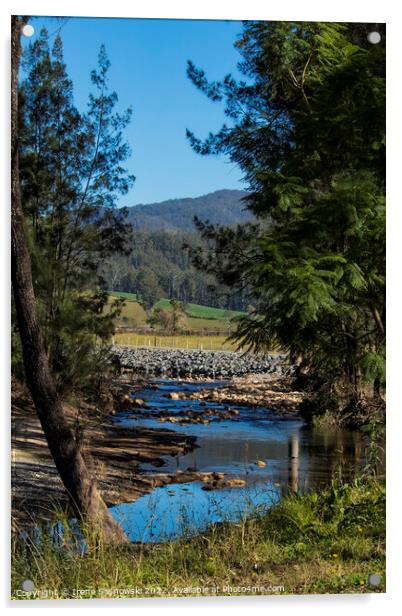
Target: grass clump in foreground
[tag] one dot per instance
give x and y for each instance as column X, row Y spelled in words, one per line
column 327, row 542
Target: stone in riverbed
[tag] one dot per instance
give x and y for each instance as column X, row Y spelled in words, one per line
column 206, row 477
column 218, row 475
column 208, row 487
column 219, row 484
column 235, row 483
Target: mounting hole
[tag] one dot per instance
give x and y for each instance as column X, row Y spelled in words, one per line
column 28, row 585
column 374, row 579
column 374, row 38
column 28, row 30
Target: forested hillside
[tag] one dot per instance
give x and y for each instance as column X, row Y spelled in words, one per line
column 158, row 266
column 223, row 207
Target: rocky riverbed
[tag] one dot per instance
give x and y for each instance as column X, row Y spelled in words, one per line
column 274, row 391
column 198, row 364
column 117, row 453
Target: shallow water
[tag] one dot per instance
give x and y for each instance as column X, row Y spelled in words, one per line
column 232, row 446
column 181, row 510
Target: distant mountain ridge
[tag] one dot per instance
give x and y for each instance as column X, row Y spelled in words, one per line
column 222, row 207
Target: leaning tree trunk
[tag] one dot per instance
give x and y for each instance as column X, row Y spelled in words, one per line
column 81, row 487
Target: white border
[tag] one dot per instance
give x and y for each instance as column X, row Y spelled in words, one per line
column 307, row 10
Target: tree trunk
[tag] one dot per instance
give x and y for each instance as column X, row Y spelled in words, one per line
column 84, row 496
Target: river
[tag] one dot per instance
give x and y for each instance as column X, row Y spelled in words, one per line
column 292, row 457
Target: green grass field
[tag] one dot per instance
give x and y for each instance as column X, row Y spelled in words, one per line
column 200, row 318
column 203, row 312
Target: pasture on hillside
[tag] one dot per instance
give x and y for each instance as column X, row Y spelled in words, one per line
column 199, row 318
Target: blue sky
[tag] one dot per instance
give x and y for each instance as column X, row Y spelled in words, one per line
column 148, row 71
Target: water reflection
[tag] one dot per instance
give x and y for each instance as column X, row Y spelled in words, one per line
column 294, row 458
column 294, row 462
column 186, row 509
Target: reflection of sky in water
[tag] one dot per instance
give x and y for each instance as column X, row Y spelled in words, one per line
column 183, row 510
column 232, row 446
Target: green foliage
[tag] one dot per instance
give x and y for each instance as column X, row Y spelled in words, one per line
column 147, row 287
column 71, row 174
column 171, row 320
column 373, row 365
column 308, row 131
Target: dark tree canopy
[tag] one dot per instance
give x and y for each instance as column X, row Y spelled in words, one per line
column 307, row 127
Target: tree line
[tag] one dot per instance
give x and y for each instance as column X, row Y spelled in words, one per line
column 159, row 265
